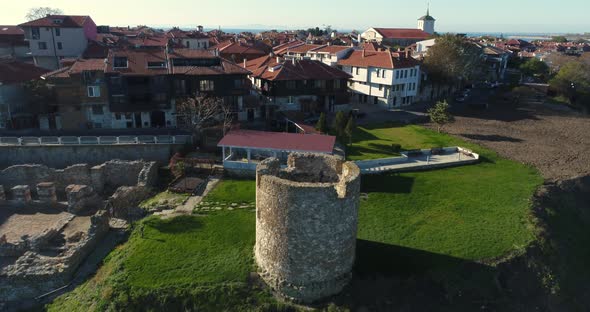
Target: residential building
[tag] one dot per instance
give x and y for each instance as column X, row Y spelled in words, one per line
column 17, row 110
column 238, row 51
column 55, row 37
column 497, row 61
column 81, row 97
column 12, row 43
column 383, row 78
column 189, row 39
column 329, row 54
column 297, row 85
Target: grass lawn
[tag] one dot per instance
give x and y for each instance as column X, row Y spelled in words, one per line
column 233, row 191
column 202, row 262
column 169, row 198
column 207, row 259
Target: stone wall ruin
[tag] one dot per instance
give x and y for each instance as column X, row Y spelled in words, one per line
column 306, row 225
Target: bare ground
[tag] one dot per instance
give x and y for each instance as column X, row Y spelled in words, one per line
column 555, row 141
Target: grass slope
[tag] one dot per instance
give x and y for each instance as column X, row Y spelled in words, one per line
column 204, row 261
column 233, row 191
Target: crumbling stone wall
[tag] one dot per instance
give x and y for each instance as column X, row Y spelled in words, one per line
column 110, row 175
column 35, row 273
column 306, row 224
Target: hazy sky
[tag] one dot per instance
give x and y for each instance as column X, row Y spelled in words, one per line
column 452, row 15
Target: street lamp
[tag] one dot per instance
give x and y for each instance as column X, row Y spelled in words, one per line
column 573, row 93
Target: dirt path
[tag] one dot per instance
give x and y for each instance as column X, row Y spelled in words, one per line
column 189, row 205
column 556, row 142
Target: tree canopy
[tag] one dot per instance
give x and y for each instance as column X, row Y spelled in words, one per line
column 573, row 81
column 40, row 12
column 452, row 59
column 440, row 115
column 534, row 67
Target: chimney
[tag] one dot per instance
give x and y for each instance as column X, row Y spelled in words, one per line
column 244, row 62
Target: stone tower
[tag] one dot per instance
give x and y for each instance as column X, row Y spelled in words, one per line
column 426, row 22
column 306, row 225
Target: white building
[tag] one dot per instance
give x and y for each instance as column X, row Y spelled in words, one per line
column 383, row 78
column 56, row 37
column 426, row 23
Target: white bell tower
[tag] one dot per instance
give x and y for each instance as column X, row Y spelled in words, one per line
column 426, row 22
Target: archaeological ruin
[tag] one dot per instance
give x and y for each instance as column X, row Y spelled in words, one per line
column 306, row 225
column 52, row 219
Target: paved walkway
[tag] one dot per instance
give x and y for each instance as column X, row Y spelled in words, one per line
column 424, row 162
column 188, row 206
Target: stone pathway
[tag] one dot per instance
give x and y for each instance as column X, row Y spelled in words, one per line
column 188, row 206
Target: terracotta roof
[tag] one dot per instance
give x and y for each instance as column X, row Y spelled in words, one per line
column 69, row 21
column 148, row 41
column 289, row 70
column 238, row 48
column 96, row 50
column 137, row 62
column 6, row 30
column 279, row 141
column 189, row 53
column 402, row 33
column 87, row 65
column 304, row 48
column 380, row 59
column 12, row 71
column 332, row 49
column 283, row 47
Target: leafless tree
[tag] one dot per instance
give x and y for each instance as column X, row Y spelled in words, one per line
column 40, row 12
column 196, row 113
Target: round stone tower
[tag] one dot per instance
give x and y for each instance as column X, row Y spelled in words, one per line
column 306, row 224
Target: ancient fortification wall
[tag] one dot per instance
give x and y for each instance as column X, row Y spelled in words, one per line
column 109, row 175
column 306, row 224
column 61, row 156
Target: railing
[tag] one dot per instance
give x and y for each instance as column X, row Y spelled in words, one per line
column 95, row 140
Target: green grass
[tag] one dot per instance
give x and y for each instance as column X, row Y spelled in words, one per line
column 375, row 142
column 204, row 260
column 171, row 199
column 429, row 218
column 233, row 191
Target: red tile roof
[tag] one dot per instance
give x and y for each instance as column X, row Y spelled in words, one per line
column 331, row 49
column 148, row 41
column 137, row 62
column 402, row 33
column 380, row 59
column 287, row 70
column 6, row 30
column 189, row 53
column 279, row 141
column 12, row 71
column 69, row 21
column 304, row 48
column 229, row 47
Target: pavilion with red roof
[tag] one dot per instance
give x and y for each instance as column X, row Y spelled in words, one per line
column 243, row 149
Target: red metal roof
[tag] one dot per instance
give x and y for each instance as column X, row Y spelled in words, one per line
column 279, row 141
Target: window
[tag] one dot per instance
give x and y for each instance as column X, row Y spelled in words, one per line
column 93, row 91
column 378, row 73
column 42, row 45
column 291, row 84
column 59, row 46
column 238, row 83
column 57, row 32
column 156, row 64
column 397, row 74
column 35, row 33
column 320, row 84
column 337, row 84
column 118, row 100
column 118, row 116
column 406, row 73
column 357, row 70
column 97, row 110
column 207, row 85
column 291, row 99
column 160, row 97
column 188, row 44
column 383, row 74
column 380, row 87
column 120, row 62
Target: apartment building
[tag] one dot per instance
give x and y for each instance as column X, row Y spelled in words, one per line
column 56, row 37
column 384, row 78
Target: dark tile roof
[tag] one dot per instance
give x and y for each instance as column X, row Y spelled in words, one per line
column 269, row 68
column 13, row 71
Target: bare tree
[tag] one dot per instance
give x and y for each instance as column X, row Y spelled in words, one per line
column 196, row 113
column 40, row 12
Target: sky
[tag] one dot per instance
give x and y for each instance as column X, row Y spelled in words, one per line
column 465, row 16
